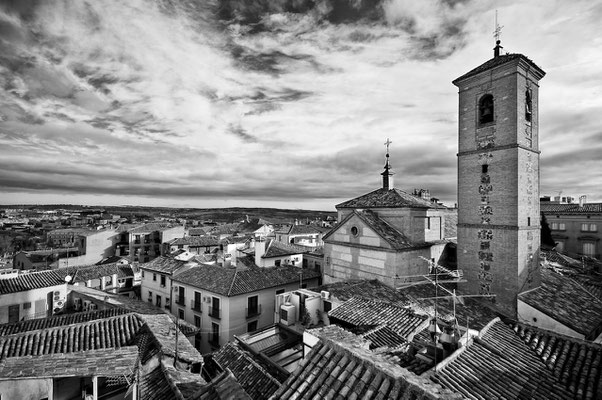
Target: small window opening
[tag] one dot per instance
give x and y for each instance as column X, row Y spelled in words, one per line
column 484, row 168
column 486, row 109
column 354, row 230
column 528, row 221
column 528, row 106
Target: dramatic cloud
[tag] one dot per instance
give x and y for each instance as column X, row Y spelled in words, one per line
column 274, row 102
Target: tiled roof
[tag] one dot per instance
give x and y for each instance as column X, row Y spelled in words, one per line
column 163, row 264
column 299, row 230
column 383, row 336
column 163, row 330
column 373, row 289
column 116, row 300
column 152, row 227
column 197, row 241
column 254, row 379
column 383, row 198
column 279, row 249
column 86, row 273
column 33, row 280
column 588, row 208
column 107, row 333
column 359, row 312
column 575, row 363
column 59, row 320
column 199, row 231
column 496, row 62
column 500, row 366
column 396, row 239
column 222, row 387
column 156, row 385
column 100, row 362
column 233, row 282
column 476, row 312
column 566, row 301
column 341, row 370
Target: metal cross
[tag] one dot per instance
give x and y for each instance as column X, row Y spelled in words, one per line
column 498, row 29
column 387, row 143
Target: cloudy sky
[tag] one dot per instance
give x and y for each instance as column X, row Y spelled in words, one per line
column 276, row 103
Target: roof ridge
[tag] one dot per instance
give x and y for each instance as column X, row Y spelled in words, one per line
column 232, row 283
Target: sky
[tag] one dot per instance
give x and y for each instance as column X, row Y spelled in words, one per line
column 275, row 103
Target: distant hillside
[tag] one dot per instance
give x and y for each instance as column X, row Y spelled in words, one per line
column 233, row 214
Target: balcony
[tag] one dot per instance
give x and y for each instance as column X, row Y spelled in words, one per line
column 214, row 313
column 253, row 311
column 196, row 305
column 181, row 301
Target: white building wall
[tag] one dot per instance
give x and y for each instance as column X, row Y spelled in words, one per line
column 532, row 316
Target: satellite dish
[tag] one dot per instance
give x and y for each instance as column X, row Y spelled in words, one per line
column 68, row 278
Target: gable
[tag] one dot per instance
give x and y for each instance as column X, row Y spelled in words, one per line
column 366, row 235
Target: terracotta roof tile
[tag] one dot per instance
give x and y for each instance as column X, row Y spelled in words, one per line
column 373, row 289
column 152, row 227
column 500, row 365
column 496, row 62
column 569, row 209
column 359, row 312
column 253, row 378
column 223, row 387
column 197, row 241
column 388, row 198
column 340, row 370
column 117, row 331
column 395, row 238
column 383, row 336
column 99, row 362
column 164, row 264
column 566, row 301
column 29, row 281
column 233, row 282
column 576, row 363
column 59, row 320
column 279, row 249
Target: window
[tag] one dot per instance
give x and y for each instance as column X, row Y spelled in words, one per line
column 180, row 313
column 279, row 291
column 158, row 303
column 528, row 106
column 155, row 277
column 197, row 321
column 215, row 308
column 528, row 221
column 27, row 305
column 162, row 280
column 589, row 249
column 142, row 274
column 558, row 226
column 277, row 263
column 327, row 306
column 354, row 230
column 589, row 227
column 484, row 168
column 252, row 326
column 253, row 308
column 196, row 302
column 486, row 109
column 150, row 296
column 214, row 338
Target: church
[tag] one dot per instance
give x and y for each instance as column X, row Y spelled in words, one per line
column 387, row 234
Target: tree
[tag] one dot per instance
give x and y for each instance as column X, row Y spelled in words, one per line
column 546, row 234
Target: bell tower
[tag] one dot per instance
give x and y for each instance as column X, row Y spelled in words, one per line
column 498, row 178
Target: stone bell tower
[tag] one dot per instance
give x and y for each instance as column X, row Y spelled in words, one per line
column 498, row 178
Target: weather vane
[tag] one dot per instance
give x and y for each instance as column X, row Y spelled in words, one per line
column 498, row 29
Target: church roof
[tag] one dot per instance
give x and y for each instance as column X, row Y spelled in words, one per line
column 496, row 62
column 388, row 198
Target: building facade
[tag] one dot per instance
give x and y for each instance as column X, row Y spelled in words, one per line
column 498, row 178
column 576, row 228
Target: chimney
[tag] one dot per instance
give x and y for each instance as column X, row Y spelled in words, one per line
column 259, row 251
column 582, row 200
